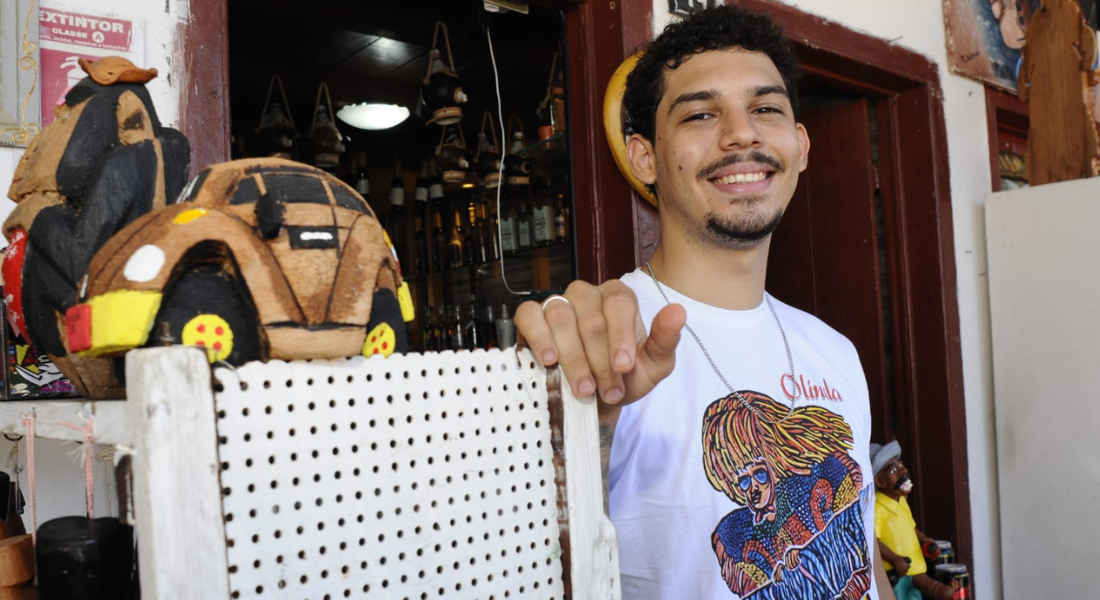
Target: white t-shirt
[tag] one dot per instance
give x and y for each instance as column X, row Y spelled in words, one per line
column 803, row 522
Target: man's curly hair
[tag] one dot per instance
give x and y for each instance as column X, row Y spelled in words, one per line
column 718, row 28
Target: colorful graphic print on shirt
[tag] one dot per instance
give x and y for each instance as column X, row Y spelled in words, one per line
column 799, row 532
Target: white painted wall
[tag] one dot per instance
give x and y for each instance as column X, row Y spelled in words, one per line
column 1041, row 240
column 60, row 479
column 919, row 26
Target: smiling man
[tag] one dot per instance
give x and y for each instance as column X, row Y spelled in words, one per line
column 723, row 481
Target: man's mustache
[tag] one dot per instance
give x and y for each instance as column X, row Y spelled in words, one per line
column 901, row 482
column 753, row 156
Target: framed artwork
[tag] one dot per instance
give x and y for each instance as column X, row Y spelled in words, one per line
column 19, row 94
column 985, row 37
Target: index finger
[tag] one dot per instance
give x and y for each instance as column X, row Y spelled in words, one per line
column 625, row 330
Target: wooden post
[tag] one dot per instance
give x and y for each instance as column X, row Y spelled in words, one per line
column 593, row 551
column 177, row 494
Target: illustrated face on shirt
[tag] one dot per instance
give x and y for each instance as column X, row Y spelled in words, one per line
column 758, row 486
column 893, row 480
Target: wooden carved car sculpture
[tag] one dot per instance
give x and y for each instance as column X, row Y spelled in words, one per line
column 259, row 259
column 103, row 162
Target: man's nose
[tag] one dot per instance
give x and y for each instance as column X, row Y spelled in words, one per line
column 739, row 131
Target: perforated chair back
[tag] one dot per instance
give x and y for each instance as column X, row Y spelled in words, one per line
column 468, row 475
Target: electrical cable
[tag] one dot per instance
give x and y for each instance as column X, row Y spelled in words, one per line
column 500, row 172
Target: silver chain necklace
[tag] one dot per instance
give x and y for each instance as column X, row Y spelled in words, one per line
column 713, row 365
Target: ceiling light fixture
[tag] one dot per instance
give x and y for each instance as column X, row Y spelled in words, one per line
column 373, row 116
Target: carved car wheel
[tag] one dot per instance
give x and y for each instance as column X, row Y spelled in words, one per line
column 208, row 307
column 386, row 329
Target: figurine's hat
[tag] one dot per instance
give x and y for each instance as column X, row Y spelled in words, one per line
column 882, row 455
column 115, row 69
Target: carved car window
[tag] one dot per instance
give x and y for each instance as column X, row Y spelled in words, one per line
column 192, row 190
column 293, row 188
column 349, row 200
column 297, row 188
column 247, row 192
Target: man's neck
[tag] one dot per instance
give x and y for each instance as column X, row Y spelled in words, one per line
column 722, row 277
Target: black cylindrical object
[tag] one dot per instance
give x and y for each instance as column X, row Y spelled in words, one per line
column 85, row 559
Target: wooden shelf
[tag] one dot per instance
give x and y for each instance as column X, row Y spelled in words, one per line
column 112, row 419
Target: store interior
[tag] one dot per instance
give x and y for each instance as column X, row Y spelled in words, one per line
column 380, row 53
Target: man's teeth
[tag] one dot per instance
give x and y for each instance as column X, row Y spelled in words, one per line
column 741, row 178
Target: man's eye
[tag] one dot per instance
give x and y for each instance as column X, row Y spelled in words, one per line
column 770, row 110
column 698, row 117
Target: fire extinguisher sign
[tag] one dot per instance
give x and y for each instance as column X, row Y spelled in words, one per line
column 66, row 36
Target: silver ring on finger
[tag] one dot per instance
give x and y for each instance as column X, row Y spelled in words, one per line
column 547, row 302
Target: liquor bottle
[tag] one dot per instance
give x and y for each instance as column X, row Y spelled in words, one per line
column 489, row 225
column 506, row 328
column 459, row 342
column 508, row 241
column 471, row 247
column 420, row 245
column 456, row 245
column 420, row 194
column 439, row 242
column 480, row 244
column 422, row 262
column 561, row 219
column 362, row 178
column 446, row 329
column 428, row 334
column 471, row 329
column 439, row 334
column 396, row 218
column 435, row 182
column 542, row 216
column 524, row 239
column 489, row 329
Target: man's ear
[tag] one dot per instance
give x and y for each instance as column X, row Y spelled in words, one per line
column 804, row 145
column 998, row 9
column 879, row 480
column 640, row 156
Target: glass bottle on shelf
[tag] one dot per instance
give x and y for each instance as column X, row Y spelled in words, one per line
column 471, row 328
column 439, row 241
column 456, row 245
column 506, row 328
column 435, row 182
column 542, row 215
column 478, row 243
column 420, row 194
column 488, row 220
column 446, row 334
column 396, row 219
column 439, row 334
column 508, row 241
column 428, row 336
column 524, row 239
column 421, row 259
column 489, row 328
column 362, row 178
column 561, row 219
column 420, row 244
column 471, row 244
column 459, row 341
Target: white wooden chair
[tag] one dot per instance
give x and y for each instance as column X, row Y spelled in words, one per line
column 468, row 475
